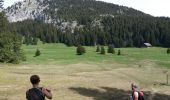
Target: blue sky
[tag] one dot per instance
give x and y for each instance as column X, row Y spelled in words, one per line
column 153, row 7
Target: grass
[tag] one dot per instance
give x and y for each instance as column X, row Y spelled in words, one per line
column 61, row 54
column 73, row 77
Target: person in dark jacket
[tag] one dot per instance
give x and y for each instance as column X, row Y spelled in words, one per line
column 36, row 92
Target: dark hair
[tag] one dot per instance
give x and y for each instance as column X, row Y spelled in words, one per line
column 35, row 79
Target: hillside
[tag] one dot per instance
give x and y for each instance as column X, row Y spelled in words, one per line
column 87, row 22
column 54, row 11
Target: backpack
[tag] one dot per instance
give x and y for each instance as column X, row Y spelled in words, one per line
column 35, row 94
column 140, row 95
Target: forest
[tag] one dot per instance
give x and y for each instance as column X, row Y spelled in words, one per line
column 121, row 31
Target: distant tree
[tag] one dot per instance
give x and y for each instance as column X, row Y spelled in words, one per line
column 111, row 49
column 34, row 41
column 168, row 51
column 102, row 50
column 3, row 22
column 37, row 53
column 80, row 50
column 119, row 52
column 98, row 48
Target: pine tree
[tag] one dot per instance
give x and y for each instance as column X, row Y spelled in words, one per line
column 110, row 49
column 98, row 48
column 10, row 43
column 3, row 23
column 168, row 51
column 80, row 50
column 119, row 52
column 102, row 50
column 34, row 41
column 10, row 48
column 37, row 53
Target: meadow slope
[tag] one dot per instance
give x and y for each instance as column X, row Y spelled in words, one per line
column 88, row 77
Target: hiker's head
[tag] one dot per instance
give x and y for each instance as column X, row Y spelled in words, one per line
column 34, row 79
column 134, row 87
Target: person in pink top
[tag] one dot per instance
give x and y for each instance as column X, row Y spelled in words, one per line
column 136, row 93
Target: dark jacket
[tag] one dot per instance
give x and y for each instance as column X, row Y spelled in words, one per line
column 35, row 94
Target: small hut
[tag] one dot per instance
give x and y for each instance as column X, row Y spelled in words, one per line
column 146, row 45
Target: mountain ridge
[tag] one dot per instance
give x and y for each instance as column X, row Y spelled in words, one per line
column 52, row 11
column 87, row 22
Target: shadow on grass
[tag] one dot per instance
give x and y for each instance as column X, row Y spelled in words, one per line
column 115, row 94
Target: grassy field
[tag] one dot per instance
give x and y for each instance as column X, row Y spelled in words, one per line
column 60, row 54
column 88, row 77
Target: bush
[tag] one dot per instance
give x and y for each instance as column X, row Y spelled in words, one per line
column 168, row 51
column 80, row 50
column 37, row 53
column 98, row 48
column 10, row 48
column 102, row 51
column 111, row 49
column 119, row 52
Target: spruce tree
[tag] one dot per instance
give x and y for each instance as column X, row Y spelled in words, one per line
column 34, row 41
column 80, row 50
column 119, row 52
column 98, row 48
column 102, row 50
column 168, row 51
column 37, row 53
column 110, row 49
column 10, row 43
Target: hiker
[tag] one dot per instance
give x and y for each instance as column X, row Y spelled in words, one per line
column 137, row 94
column 36, row 92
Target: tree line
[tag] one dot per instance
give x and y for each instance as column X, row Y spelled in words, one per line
column 122, row 31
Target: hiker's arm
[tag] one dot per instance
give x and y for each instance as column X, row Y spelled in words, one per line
column 47, row 93
column 27, row 95
column 135, row 96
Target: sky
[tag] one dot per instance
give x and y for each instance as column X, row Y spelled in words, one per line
column 152, row 7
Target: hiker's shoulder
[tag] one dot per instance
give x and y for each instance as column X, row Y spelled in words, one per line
column 135, row 93
column 31, row 89
column 28, row 91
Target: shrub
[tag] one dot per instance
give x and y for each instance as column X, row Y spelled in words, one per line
column 111, row 49
column 37, row 53
column 10, row 48
column 102, row 51
column 119, row 52
column 98, row 48
column 80, row 50
column 168, row 51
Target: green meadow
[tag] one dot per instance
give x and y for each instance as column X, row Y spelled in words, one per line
column 91, row 76
column 61, row 54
